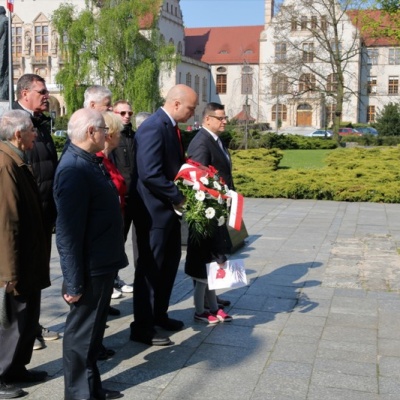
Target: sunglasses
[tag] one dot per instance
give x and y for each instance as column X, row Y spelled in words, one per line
column 123, row 113
column 42, row 92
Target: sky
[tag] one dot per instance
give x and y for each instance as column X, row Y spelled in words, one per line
column 205, row 13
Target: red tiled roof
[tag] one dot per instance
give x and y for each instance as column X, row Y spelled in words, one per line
column 372, row 24
column 224, row 45
column 243, row 116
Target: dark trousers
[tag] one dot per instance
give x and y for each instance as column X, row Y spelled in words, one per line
column 159, row 256
column 83, row 335
column 129, row 215
column 16, row 342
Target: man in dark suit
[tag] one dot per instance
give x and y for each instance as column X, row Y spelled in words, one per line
column 159, row 156
column 207, row 149
column 33, row 97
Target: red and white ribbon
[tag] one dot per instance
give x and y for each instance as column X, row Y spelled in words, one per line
column 191, row 174
column 236, row 211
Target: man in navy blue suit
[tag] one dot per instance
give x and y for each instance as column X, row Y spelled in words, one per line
column 159, row 156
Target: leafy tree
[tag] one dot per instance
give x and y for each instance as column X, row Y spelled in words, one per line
column 388, row 120
column 104, row 44
column 383, row 21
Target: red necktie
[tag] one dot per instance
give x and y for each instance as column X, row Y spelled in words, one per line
column 178, row 132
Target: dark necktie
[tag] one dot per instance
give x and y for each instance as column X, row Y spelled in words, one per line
column 223, row 149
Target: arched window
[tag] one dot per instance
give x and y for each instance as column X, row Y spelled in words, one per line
column 180, row 48
column 304, row 107
column 189, row 79
column 307, row 83
column 221, row 80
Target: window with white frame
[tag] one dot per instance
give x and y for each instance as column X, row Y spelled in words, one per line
column 41, row 40
column 189, row 79
column 221, row 80
column 308, row 52
column 371, row 114
column 204, row 90
column 280, row 52
column 282, row 112
column 372, row 56
column 247, row 80
column 393, row 85
column 394, row 56
column 372, row 82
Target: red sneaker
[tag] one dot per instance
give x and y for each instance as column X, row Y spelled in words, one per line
column 207, row 318
column 223, row 316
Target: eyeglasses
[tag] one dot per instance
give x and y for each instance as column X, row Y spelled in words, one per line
column 220, row 119
column 123, row 113
column 105, row 129
column 42, row 92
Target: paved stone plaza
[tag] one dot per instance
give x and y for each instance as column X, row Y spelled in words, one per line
column 320, row 318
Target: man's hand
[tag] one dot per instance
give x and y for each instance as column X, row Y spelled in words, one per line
column 72, row 299
column 10, row 286
column 179, row 207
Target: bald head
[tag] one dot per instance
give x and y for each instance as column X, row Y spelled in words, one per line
column 181, row 102
column 86, row 130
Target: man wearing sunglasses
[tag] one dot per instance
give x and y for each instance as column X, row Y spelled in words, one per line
column 124, row 159
column 33, row 97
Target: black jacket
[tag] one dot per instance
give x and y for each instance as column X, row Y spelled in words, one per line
column 124, row 157
column 89, row 229
column 43, row 159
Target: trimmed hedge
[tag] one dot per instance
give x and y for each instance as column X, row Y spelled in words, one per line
column 357, row 174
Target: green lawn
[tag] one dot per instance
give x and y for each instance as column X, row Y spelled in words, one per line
column 308, row 159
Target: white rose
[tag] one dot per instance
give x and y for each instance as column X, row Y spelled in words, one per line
column 217, row 185
column 204, row 180
column 210, row 213
column 200, row 195
column 221, row 220
column 220, row 200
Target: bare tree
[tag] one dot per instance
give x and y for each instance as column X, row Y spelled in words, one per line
column 314, row 53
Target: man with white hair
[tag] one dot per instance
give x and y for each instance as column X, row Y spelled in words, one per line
column 90, row 241
column 24, row 266
column 98, row 98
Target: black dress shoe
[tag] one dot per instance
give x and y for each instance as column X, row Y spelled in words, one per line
column 23, row 375
column 8, row 391
column 113, row 311
column 169, row 324
column 105, row 353
column 112, row 394
column 225, row 303
column 152, row 339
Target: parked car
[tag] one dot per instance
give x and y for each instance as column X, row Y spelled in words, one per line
column 321, row 133
column 368, row 131
column 349, row 132
column 61, row 133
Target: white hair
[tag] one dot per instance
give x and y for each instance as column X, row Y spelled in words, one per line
column 97, row 94
column 140, row 117
column 80, row 122
column 13, row 121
